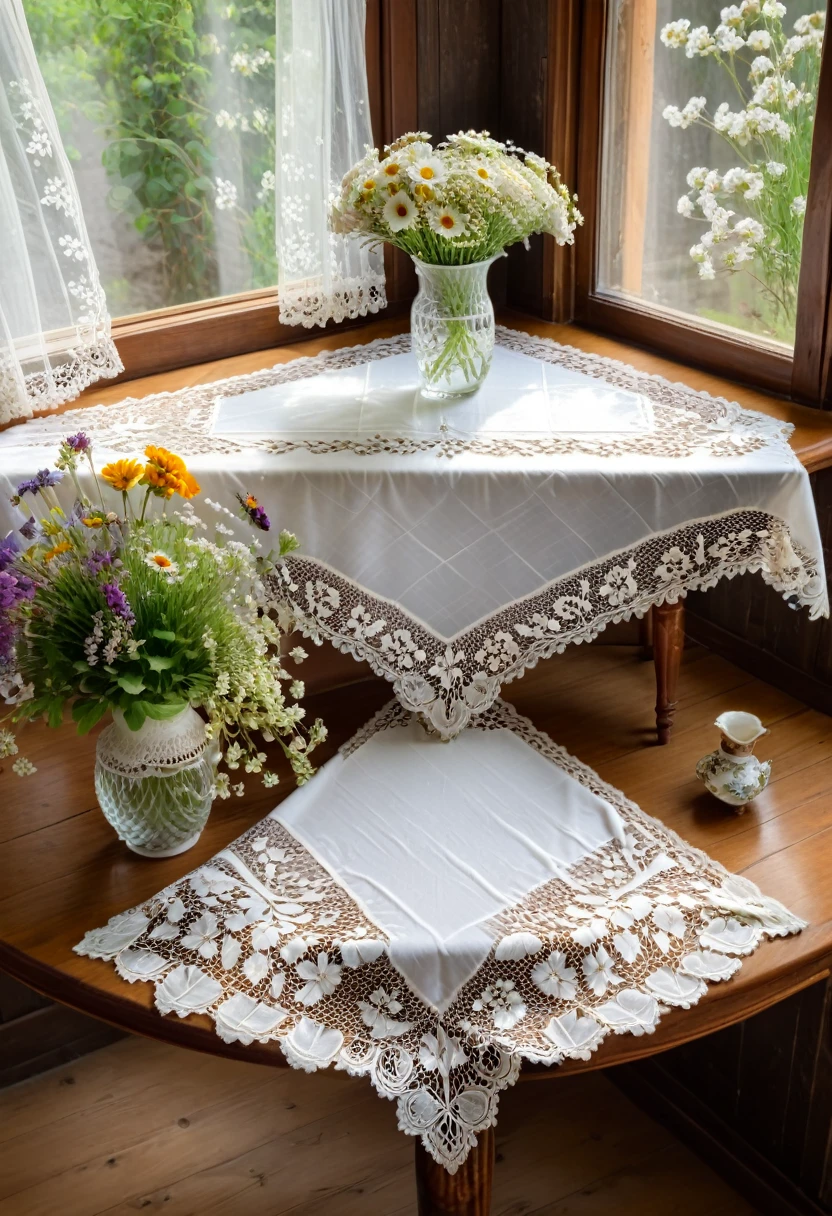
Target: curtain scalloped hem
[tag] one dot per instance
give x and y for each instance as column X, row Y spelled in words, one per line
column 307, row 305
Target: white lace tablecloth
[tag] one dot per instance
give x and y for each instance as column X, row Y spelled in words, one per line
column 453, row 544
column 429, row 916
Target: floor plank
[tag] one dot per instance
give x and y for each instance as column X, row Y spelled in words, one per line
column 143, row 1127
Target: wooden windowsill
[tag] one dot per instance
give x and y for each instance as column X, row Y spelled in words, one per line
column 812, row 438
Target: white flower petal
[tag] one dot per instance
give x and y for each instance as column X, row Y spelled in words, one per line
column 574, row 1035
column 366, row 950
column 186, row 990
column 140, row 964
column 631, row 1011
column 230, row 953
column 242, row 1019
column 708, row 965
column 256, row 967
column 676, row 988
column 517, row 946
column 311, row 1046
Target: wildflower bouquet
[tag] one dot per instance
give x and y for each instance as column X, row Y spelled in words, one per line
column 145, row 611
column 459, row 204
column 754, row 211
column 464, row 201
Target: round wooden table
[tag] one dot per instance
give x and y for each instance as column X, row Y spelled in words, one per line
column 62, row 871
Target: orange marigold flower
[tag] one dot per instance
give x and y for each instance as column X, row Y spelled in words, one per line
column 166, row 474
column 189, row 486
column 122, row 474
column 167, row 461
column 62, row 547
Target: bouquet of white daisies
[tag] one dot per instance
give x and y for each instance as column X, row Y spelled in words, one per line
column 460, row 202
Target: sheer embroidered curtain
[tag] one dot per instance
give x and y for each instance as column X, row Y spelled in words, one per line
column 323, row 126
column 54, row 326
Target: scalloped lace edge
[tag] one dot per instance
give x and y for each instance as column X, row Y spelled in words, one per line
column 780, row 923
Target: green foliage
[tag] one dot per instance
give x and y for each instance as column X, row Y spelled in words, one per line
column 149, row 67
column 171, row 87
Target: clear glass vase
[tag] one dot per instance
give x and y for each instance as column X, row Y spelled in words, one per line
column 155, row 784
column 452, row 327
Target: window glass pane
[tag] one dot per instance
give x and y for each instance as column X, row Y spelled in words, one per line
column 167, row 111
column 706, row 147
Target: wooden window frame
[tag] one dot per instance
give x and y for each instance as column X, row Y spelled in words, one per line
column 807, row 375
column 206, row 330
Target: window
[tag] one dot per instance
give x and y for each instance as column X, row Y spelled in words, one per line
column 167, row 111
column 703, row 137
column 707, row 138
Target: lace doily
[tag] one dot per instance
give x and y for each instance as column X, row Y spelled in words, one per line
column 158, row 747
column 686, row 422
column 449, row 681
column 265, row 940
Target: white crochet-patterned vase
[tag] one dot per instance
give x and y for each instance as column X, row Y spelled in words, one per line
column 155, row 784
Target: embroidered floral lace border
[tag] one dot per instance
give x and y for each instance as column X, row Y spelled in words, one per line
column 686, row 422
column 264, row 940
column 449, row 681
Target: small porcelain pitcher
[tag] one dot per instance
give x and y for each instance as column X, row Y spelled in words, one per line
column 733, row 773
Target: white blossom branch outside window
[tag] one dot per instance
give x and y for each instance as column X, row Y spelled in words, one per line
column 754, row 211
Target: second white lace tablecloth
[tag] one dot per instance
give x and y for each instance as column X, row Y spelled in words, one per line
column 454, row 544
column 430, row 916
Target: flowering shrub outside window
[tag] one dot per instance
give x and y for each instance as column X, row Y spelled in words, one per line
column 709, row 115
column 753, row 212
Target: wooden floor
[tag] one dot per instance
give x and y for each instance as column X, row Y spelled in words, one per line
column 144, row 1127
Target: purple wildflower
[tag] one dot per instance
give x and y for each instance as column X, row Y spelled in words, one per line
column 254, row 512
column 98, row 559
column 47, row 478
column 9, row 549
column 79, row 442
column 13, row 589
column 43, row 480
column 30, row 529
column 7, row 636
column 117, row 601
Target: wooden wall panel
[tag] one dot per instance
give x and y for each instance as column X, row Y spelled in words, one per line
column 36, row 1035
column 752, row 624
column 484, row 64
column 754, row 1100
column 524, row 92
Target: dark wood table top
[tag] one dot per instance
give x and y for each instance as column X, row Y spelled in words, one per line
column 62, row 870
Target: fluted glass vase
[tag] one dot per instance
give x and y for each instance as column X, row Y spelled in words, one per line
column 155, row 784
column 452, row 327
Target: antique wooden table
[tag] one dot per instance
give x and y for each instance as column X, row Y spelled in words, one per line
column 62, row 871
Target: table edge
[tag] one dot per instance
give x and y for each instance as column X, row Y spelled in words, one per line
column 133, row 1018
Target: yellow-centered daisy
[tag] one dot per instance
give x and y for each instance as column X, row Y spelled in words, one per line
column 400, row 212
column 447, row 221
column 161, row 561
column 427, row 169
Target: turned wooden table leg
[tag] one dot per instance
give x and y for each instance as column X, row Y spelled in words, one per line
column 465, row 1193
column 668, row 643
column 645, row 634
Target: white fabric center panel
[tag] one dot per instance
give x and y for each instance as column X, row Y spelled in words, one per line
column 521, row 396
column 433, row 840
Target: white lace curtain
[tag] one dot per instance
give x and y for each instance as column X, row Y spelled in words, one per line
column 54, row 328
column 323, row 127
